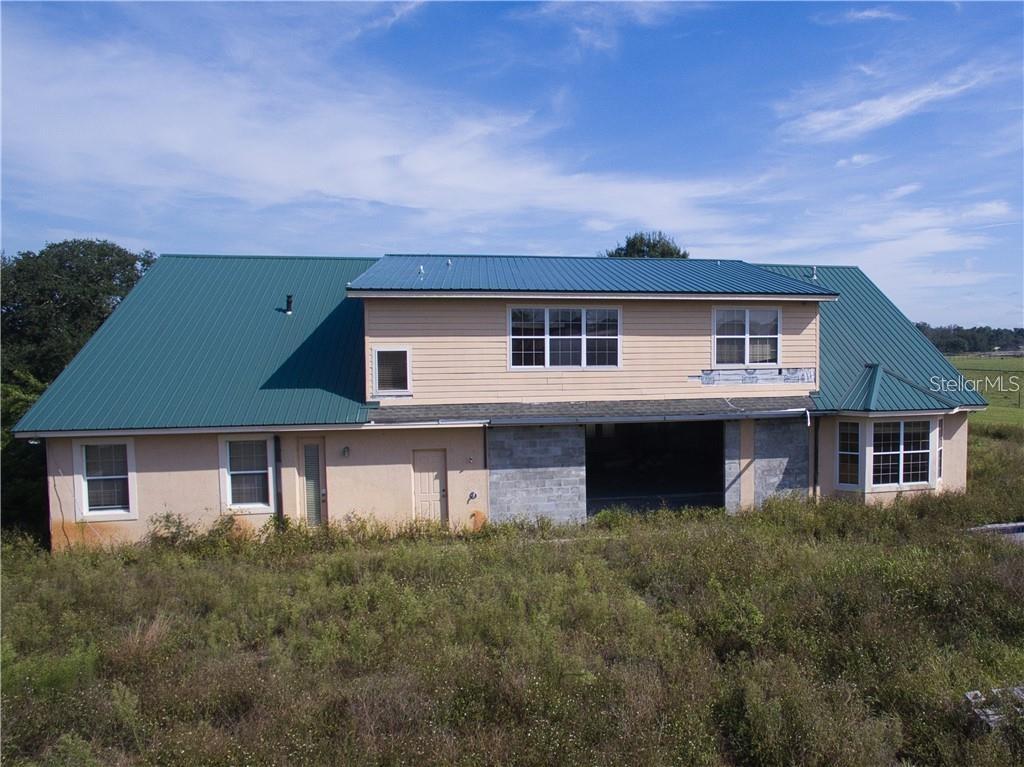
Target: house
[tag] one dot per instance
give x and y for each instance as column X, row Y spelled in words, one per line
column 463, row 388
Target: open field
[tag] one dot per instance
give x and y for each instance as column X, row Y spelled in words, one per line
column 831, row 635
column 1000, row 381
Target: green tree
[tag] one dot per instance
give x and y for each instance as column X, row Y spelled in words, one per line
column 51, row 302
column 54, row 300
column 648, row 245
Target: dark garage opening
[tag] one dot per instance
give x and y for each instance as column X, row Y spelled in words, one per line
column 648, row 465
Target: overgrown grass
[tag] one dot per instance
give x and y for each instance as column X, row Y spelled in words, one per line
column 811, row 635
column 999, row 381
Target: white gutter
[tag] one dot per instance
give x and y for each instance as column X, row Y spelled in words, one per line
column 739, row 415
column 369, row 426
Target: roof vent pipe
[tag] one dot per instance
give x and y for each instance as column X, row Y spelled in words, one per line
column 814, row 272
column 449, row 263
column 288, row 302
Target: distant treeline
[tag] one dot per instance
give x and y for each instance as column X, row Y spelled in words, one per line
column 953, row 339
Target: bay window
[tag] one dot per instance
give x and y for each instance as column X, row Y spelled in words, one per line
column 849, row 453
column 571, row 337
column 901, row 452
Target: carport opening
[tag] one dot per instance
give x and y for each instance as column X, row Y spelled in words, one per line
column 649, row 465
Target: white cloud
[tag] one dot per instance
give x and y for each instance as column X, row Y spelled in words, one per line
column 990, row 209
column 873, row 14
column 597, row 26
column 868, row 114
column 857, row 161
column 900, row 192
column 171, row 129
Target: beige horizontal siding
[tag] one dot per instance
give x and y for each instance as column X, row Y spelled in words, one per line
column 460, row 352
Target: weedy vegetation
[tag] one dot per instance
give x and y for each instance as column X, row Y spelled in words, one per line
column 830, row 634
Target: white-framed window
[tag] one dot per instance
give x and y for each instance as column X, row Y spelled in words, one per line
column 901, row 452
column 940, row 439
column 746, row 337
column 848, row 454
column 247, row 476
column 392, row 371
column 105, row 487
column 564, row 337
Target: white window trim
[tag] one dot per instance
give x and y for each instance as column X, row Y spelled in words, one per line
column 746, row 336
column 547, row 337
column 227, row 506
column 82, row 513
column 869, row 466
column 406, row 392
column 939, row 439
column 860, row 456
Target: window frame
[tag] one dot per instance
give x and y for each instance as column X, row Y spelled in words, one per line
column 377, row 391
column 583, row 309
column 939, row 439
column 746, row 309
column 225, row 475
column 82, row 512
column 860, row 455
column 900, row 484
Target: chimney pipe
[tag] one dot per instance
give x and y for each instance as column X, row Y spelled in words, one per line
column 288, row 304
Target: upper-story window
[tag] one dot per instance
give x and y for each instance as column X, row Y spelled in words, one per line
column 747, row 336
column 391, row 371
column 564, row 337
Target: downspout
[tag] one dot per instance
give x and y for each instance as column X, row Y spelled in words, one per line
column 817, row 427
column 278, row 495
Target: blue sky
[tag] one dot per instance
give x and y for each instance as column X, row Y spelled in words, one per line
column 883, row 135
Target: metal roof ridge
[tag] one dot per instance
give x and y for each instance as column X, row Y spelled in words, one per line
column 574, row 258
column 876, row 384
column 899, row 377
column 248, row 256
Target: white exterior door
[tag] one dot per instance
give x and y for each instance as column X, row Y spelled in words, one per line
column 430, row 486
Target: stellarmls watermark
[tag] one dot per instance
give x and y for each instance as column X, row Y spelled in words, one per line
column 995, row 382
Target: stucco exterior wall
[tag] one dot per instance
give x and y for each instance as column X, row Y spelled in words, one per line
column 181, row 474
column 954, row 460
column 375, row 479
column 460, row 352
column 178, row 474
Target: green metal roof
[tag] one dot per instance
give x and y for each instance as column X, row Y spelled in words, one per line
column 556, row 274
column 873, row 358
column 204, row 341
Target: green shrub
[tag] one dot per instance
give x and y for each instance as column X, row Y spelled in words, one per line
column 829, row 633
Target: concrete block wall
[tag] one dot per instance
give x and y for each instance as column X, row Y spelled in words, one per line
column 732, row 466
column 537, row 471
column 781, row 458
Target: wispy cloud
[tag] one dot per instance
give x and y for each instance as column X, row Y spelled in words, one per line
column 860, row 15
column 857, row 160
column 880, row 13
column 900, row 192
column 173, row 130
column 837, row 123
column 599, row 26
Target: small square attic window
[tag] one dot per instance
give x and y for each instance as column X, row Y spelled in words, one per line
column 391, row 371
